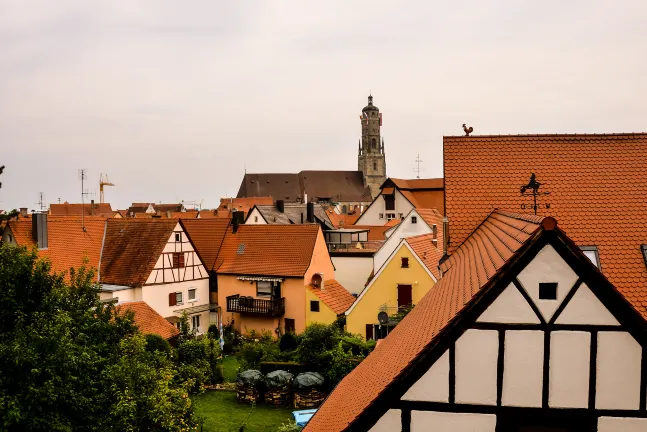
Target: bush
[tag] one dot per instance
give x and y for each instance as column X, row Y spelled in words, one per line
column 315, row 343
column 288, row 342
column 290, row 426
column 156, row 342
column 292, row 367
column 197, row 361
column 213, row 332
column 253, row 352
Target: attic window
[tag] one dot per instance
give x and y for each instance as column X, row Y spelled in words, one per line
column 178, row 237
column 241, row 249
column 548, row 291
column 314, row 306
column 591, row 252
column 405, row 262
column 414, row 219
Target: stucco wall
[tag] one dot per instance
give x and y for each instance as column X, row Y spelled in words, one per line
column 372, row 214
column 404, row 230
column 320, row 261
column 157, row 296
column 325, row 314
column 383, row 289
column 255, row 218
column 352, row 272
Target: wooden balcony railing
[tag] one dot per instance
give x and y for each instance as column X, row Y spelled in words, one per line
column 252, row 306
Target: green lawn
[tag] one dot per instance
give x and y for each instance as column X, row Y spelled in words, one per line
column 230, row 368
column 222, row 413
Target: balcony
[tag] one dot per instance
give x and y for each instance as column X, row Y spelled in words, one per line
column 252, row 306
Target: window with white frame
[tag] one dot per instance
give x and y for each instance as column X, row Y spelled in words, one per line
column 178, row 298
column 192, row 294
column 381, row 215
column 195, row 322
column 591, row 252
column 390, row 216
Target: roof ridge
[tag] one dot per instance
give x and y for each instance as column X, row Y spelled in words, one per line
column 550, row 135
column 520, row 216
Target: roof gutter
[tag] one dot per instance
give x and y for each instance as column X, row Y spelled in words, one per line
column 103, row 242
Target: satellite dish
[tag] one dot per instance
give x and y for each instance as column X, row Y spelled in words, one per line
column 383, row 318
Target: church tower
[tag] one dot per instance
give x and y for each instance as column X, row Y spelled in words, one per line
column 371, row 161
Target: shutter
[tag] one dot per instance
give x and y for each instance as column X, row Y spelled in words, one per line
column 172, row 299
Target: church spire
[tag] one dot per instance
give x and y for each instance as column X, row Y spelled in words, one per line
column 371, row 160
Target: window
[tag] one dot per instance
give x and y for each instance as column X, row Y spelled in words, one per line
column 178, row 237
column 192, row 294
column 390, row 216
column 289, row 325
column 263, row 289
column 195, row 322
column 255, row 218
column 314, row 306
column 591, row 252
column 178, row 298
column 414, row 219
column 401, row 215
column 373, row 143
column 644, row 249
column 344, row 209
column 178, row 260
column 374, row 166
column 381, row 215
column 548, row 291
column 389, row 202
column 405, row 262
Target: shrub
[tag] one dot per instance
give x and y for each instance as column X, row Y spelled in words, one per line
column 156, row 342
column 253, row 352
column 213, row 332
column 197, row 361
column 315, row 342
column 290, row 426
column 288, row 342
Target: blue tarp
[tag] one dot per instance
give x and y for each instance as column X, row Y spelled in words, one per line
column 303, row 417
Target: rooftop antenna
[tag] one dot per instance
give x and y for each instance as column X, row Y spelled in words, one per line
column 83, row 175
column 417, row 169
column 40, row 202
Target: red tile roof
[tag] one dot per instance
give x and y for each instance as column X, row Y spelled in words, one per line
column 597, row 192
column 375, row 233
column 428, row 252
column 421, row 193
column 467, row 270
column 149, row 321
column 334, row 296
column 273, row 250
column 430, row 183
column 132, row 247
column 67, row 209
column 68, row 244
column 244, row 204
column 207, row 236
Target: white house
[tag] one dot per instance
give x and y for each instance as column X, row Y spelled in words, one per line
column 154, row 260
column 522, row 333
column 416, row 222
column 398, row 197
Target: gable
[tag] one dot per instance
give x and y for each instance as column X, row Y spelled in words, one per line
column 405, row 229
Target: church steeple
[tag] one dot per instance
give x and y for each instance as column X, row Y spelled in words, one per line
column 371, row 159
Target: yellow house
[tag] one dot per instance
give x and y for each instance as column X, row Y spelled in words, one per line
column 325, row 301
column 404, row 278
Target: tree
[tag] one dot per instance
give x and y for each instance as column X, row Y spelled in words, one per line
column 64, row 355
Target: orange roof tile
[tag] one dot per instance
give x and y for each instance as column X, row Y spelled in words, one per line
column 68, row 244
column 243, row 204
column 207, row 236
column 149, row 321
column 67, row 209
column 131, row 249
column 375, row 233
column 273, row 250
column 465, row 273
column 428, row 252
column 596, row 182
column 335, row 296
column 430, row 183
column 421, row 193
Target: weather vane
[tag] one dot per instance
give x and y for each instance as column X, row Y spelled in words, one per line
column 532, row 190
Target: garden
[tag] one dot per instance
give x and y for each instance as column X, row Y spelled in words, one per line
column 260, row 379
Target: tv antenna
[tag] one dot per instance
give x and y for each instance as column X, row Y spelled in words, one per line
column 83, row 176
column 417, row 169
column 40, row 202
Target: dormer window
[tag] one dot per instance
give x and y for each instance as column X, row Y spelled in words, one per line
column 591, row 252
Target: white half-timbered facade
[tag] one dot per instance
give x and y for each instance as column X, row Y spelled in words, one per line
column 545, row 343
column 156, row 262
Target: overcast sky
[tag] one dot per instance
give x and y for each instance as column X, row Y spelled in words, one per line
column 174, row 99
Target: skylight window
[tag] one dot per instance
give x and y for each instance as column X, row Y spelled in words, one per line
column 591, row 252
column 241, row 249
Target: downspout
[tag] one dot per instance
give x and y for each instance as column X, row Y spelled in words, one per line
column 103, row 242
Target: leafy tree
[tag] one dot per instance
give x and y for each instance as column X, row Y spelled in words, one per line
column 155, row 342
column 69, row 362
column 288, row 342
column 316, row 341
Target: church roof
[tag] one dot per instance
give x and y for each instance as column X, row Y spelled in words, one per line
column 338, row 186
column 370, row 106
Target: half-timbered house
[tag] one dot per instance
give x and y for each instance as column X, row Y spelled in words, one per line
column 154, row 260
column 522, row 333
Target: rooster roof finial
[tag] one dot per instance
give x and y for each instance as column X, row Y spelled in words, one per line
column 467, row 130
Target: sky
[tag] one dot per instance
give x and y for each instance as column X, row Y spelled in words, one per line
column 174, row 100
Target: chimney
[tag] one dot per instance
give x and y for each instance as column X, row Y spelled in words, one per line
column 23, row 212
column 39, row 229
column 168, row 214
column 310, row 214
column 280, row 206
column 305, row 197
column 91, row 208
column 237, row 219
column 434, row 231
column 445, row 234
